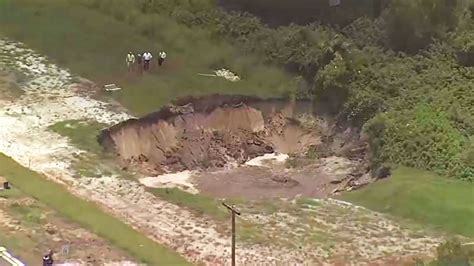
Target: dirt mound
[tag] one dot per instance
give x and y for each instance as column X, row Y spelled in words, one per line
column 206, row 132
column 287, row 135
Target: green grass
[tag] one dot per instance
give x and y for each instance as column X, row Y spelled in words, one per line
column 213, row 208
column 11, row 193
column 94, row 45
column 94, row 162
column 29, row 214
column 198, row 203
column 21, row 246
column 82, row 134
column 88, row 214
column 428, row 199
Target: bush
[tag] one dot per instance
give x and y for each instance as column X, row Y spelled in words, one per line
column 423, row 138
column 412, row 24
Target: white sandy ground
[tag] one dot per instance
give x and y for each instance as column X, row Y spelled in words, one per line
column 181, row 180
column 267, row 159
column 50, row 97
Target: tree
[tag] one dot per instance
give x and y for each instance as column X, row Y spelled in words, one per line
column 412, row 24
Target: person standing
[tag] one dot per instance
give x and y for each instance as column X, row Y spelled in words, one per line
column 139, row 63
column 161, row 57
column 48, row 259
column 130, row 59
column 146, row 60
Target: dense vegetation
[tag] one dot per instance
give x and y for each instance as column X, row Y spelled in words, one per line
column 406, row 76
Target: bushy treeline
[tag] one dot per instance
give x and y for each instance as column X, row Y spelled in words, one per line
column 406, row 76
column 302, row 12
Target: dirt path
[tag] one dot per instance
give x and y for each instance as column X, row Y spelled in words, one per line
column 50, row 96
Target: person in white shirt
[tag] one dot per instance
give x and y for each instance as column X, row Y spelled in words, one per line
column 146, row 60
column 161, row 57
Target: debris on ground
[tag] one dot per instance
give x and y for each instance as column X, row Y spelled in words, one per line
column 222, row 73
column 227, row 74
column 195, row 136
column 4, row 184
column 111, row 87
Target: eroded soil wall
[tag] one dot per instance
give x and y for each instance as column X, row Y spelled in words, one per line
column 208, row 132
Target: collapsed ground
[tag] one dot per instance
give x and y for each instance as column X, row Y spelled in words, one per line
column 216, row 132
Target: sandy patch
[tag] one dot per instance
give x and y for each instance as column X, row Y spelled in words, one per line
column 267, row 159
column 180, row 179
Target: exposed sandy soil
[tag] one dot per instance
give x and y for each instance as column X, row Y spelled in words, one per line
column 260, row 182
column 200, row 136
column 51, row 96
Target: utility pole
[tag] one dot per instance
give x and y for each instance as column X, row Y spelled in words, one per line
column 233, row 211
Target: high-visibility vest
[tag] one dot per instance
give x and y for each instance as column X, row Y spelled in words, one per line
column 130, row 58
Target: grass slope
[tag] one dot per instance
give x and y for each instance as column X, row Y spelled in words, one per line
column 94, row 46
column 82, row 134
column 423, row 197
column 198, row 203
column 87, row 214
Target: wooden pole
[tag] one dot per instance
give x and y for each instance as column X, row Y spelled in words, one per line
column 233, row 238
column 234, row 211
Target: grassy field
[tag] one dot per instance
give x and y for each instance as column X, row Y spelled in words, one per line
column 93, row 162
column 19, row 243
column 93, row 45
column 87, row 214
column 82, row 134
column 423, row 197
column 200, row 204
column 204, row 205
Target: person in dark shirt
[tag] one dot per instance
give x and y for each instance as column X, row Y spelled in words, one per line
column 139, row 63
column 48, row 259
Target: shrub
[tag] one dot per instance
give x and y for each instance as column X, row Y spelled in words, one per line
column 422, row 138
column 412, row 24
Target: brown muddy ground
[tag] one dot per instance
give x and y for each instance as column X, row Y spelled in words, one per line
column 315, row 180
column 216, row 135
